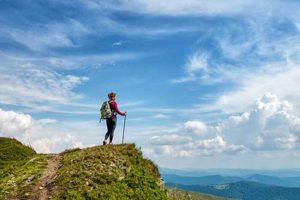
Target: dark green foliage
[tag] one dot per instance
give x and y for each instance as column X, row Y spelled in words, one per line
column 108, row 172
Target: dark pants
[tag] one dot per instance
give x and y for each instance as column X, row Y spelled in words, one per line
column 111, row 124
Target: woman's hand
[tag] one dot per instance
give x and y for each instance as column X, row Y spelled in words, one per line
column 125, row 113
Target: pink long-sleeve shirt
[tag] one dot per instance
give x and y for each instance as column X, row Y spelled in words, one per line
column 114, row 107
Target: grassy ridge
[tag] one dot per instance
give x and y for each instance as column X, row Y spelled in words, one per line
column 20, row 166
column 103, row 172
column 108, row 172
column 11, row 150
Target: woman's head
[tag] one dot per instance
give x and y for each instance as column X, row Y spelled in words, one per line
column 112, row 96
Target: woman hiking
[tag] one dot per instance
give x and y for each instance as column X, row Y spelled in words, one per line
column 111, row 122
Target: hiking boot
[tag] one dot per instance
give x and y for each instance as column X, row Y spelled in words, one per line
column 104, row 142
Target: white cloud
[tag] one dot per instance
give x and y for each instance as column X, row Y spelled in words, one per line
column 172, row 139
column 55, row 143
column 196, row 126
column 43, row 135
column 189, row 7
column 282, row 83
column 195, row 68
column 187, row 145
column 269, row 125
column 194, row 148
column 217, row 145
column 160, row 116
column 34, row 84
column 49, row 35
column 13, row 123
column 243, row 49
column 30, row 84
column 167, row 150
column 118, row 43
column 88, row 61
column 189, row 78
column 262, row 59
column 198, row 7
column 198, row 62
column 286, row 142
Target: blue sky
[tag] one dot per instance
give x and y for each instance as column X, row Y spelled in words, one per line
column 205, row 84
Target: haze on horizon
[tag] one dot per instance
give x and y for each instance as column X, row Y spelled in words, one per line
column 205, row 84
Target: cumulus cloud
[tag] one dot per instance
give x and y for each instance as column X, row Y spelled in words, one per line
column 217, row 145
column 56, row 143
column 35, row 132
column 196, row 126
column 269, row 125
column 192, row 145
column 251, row 87
column 172, row 139
column 168, row 150
column 14, row 124
column 193, row 148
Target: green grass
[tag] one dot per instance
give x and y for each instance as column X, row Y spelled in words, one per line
column 19, row 167
column 108, row 172
column 13, row 150
column 102, row 172
column 178, row 194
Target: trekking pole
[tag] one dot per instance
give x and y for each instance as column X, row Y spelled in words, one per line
column 123, row 129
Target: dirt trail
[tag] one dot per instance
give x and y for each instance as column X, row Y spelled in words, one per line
column 43, row 189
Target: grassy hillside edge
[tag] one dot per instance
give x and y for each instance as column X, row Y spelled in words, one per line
column 100, row 172
column 20, row 167
column 108, row 172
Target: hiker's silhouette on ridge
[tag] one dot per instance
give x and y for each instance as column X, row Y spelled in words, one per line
column 109, row 111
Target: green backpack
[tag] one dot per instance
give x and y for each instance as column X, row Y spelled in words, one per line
column 105, row 111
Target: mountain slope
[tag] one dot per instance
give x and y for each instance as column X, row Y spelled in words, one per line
column 107, row 172
column 245, row 190
column 100, row 172
column 217, row 179
column 205, row 180
column 20, row 167
column 11, row 150
column 273, row 180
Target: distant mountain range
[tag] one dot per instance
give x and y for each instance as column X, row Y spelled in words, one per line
column 231, row 172
column 245, row 190
column 178, row 194
column 238, row 184
column 218, row 179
